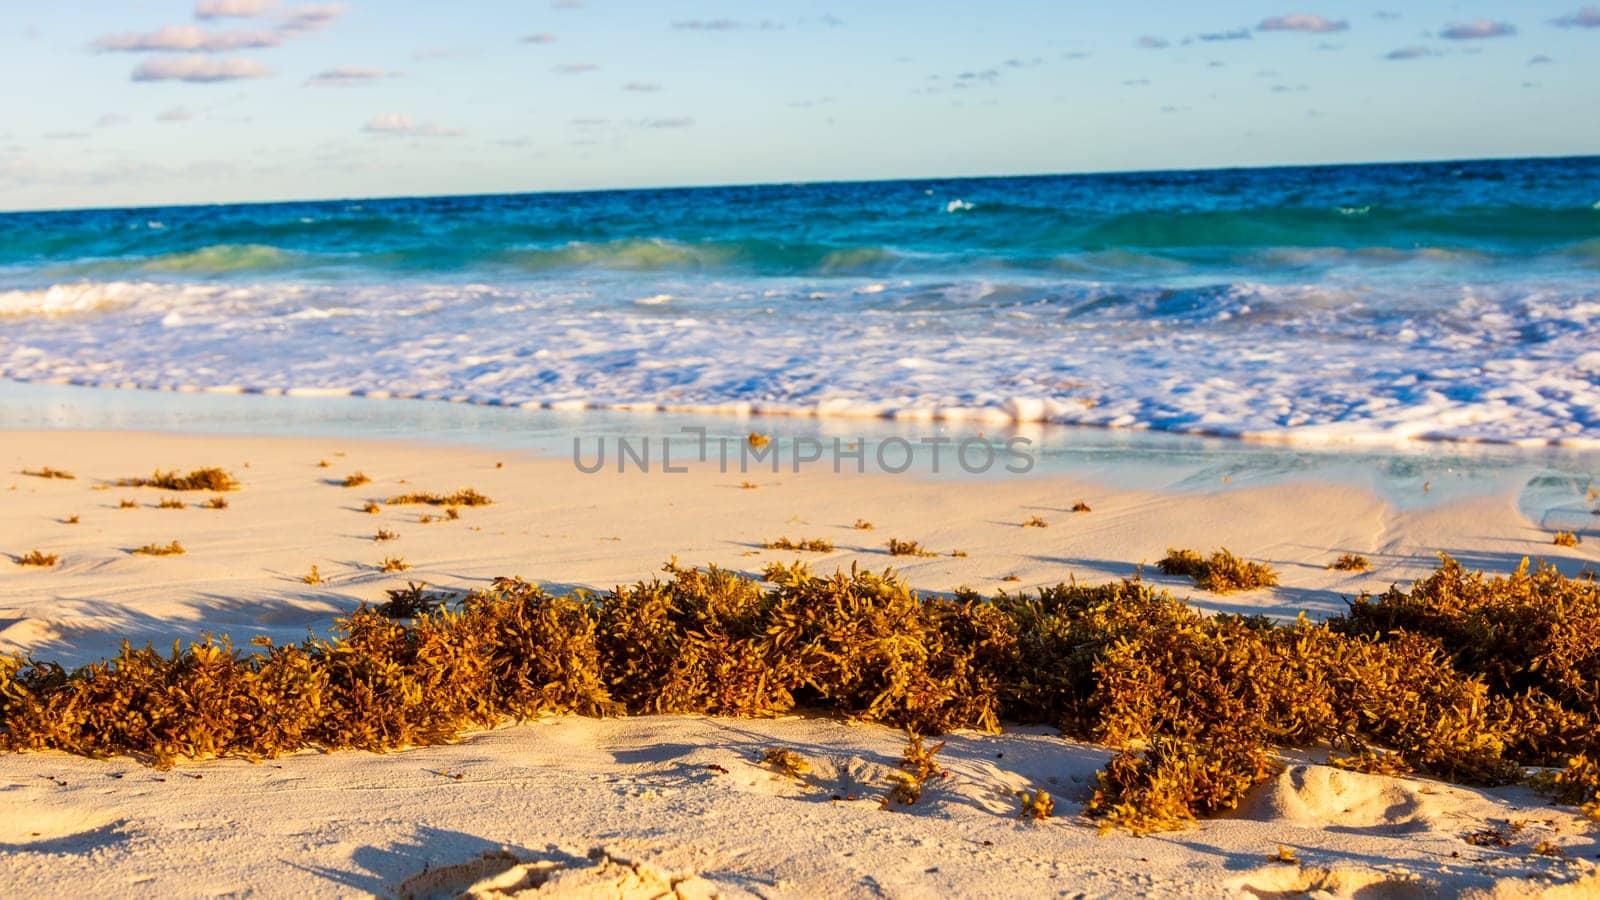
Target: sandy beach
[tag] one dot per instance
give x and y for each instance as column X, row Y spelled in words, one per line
column 683, row 801
column 790, row 450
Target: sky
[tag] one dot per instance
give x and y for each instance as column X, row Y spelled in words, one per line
column 154, row 102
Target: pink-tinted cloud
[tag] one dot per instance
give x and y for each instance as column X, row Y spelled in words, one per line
column 199, row 69
column 344, row 76
column 301, row 19
column 187, row 38
column 1307, row 22
column 1477, row 30
column 1587, row 17
column 230, row 9
column 401, row 125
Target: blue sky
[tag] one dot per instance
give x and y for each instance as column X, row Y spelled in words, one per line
column 142, row 102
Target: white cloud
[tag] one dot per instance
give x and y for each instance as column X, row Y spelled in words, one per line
column 576, row 68
column 1587, row 17
column 566, row 4
column 401, row 125
column 1307, row 22
column 1477, row 30
column 187, row 38
column 1150, row 42
column 235, row 9
column 1541, row 60
column 110, row 119
column 543, row 37
column 301, row 19
column 343, row 76
column 199, row 69
column 175, row 114
column 642, row 87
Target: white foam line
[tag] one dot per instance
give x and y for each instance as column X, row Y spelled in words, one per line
column 1310, row 437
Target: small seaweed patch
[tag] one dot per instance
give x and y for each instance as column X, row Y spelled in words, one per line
column 1035, row 522
column 48, row 472
column 355, row 479
column 1038, row 805
column 452, row 513
column 216, row 503
column 897, row 547
column 324, row 464
column 919, row 760
column 371, row 508
column 1081, row 507
column 1495, row 835
column 1351, row 562
column 862, row 525
column 172, row 549
column 1221, row 573
column 391, row 564
column 125, row 503
column 385, row 535
column 72, row 520
column 748, row 485
column 463, row 497
column 786, row 761
column 209, row 479
column 1566, row 539
column 312, row 577
column 171, row 503
column 758, row 440
column 37, row 559
column 1549, row 848
column 1284, row 855
column 807, row 545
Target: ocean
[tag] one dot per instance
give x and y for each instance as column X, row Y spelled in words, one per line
column 1371, row 304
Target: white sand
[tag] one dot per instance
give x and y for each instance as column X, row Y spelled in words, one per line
column 355, row 823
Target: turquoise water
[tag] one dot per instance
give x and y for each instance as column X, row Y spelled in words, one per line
column 1372, row 304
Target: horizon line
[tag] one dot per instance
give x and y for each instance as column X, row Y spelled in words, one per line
column 803, row 183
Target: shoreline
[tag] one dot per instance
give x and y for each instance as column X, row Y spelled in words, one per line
column 1021, row 413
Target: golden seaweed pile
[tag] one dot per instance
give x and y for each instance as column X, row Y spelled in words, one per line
column 1465, row 677
column 210, row 479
